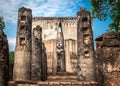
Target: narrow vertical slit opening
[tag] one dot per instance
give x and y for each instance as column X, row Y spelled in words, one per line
column 60, row 28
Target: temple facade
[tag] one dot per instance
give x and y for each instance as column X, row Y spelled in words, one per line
column 50, row 47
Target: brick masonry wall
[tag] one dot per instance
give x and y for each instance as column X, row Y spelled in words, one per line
column 50, row 26
column 108, row 59
column 4, row 59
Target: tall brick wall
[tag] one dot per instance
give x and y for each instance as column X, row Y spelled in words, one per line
column 50, row 26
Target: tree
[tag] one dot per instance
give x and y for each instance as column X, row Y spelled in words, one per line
column 102, row 9
column 2, row 24
column 11, row 57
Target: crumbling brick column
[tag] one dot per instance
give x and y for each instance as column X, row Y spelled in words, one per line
column 44, row 64
column 86, row 66
column 36, row 53
column 22, row 62
column 108, row 59
column 4, row 59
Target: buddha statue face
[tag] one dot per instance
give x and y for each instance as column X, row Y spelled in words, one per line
column 60, row 44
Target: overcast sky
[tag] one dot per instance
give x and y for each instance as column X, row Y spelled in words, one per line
column 57, row 8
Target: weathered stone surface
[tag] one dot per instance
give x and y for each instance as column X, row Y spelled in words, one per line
column 50, row 52
column 112, row 79
column 2, row 81
column 4, row 59
column 36, row 60
column 44, row 72
column 71, row 55
column 111, row 39
column 50, row 25
column 10, row 71
column 64, row 77
column 108, row 59
column 86, row 66
column 22, row 62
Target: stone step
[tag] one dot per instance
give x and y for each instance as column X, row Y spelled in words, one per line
column 53, row 83
column 62, row 73
column 59, row 77
column 66, row 83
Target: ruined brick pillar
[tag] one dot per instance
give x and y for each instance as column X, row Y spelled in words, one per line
column 22, row 60
column 44, row 64
column 4, row 59
column 36, row 53
column 108, row 59
column 86, row 66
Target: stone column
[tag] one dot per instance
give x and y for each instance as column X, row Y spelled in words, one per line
column 86, row 66
column 67, row 54
column 36, row 54
column 54, row 57
column 44, row 64
column 4, row 59
column 67, row 59
column 70, row 45
column 22, row 61
column 73, row 46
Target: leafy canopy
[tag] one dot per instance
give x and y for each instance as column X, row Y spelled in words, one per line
column 2, row 23
column 102, row 9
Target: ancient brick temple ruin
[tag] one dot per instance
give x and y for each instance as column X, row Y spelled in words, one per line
column 54, row 50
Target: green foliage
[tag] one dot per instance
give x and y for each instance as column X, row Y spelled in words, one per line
column 11, row 57
column 102, row 9
column 2, row 23
column 94, row 52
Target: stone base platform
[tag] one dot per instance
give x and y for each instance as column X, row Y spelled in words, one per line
column 52, row 83
column 61, row 77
